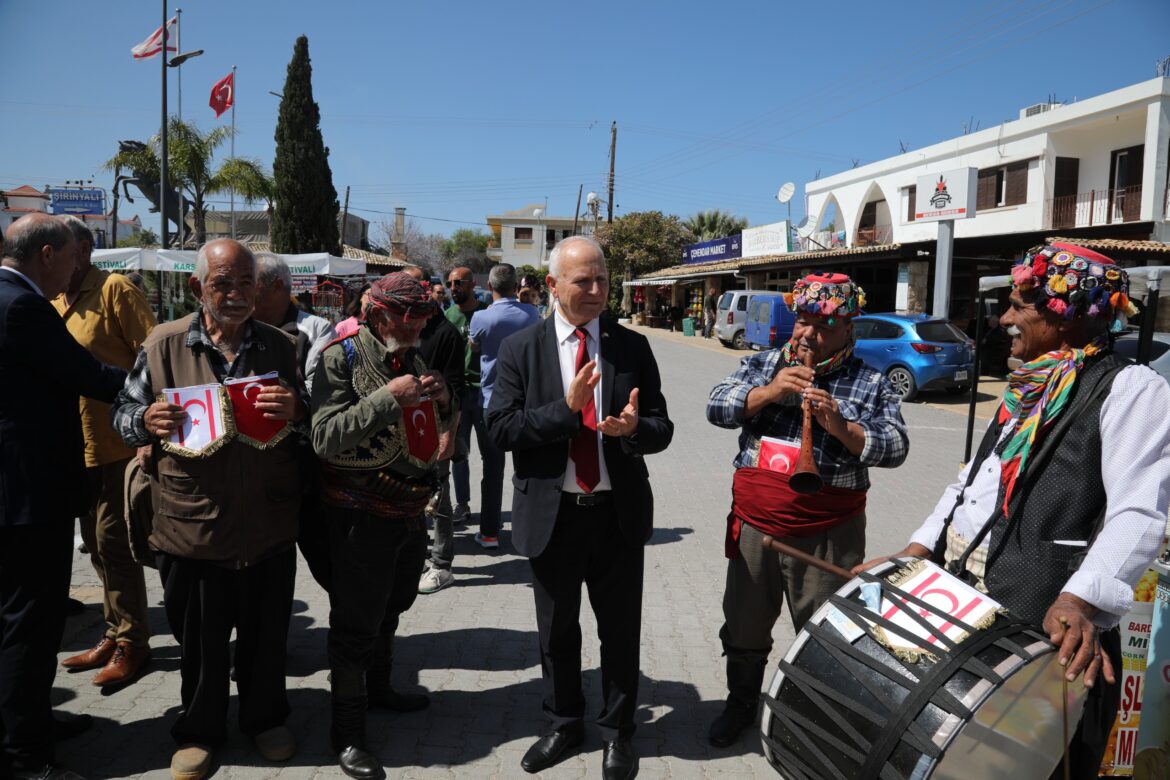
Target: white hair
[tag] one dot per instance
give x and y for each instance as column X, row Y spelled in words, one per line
column 554, row 257
column 269, row 268
column 201, row 266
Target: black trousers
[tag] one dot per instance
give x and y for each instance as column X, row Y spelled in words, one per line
column 35, row 565
column 588, row 547
column 203, row 603
column 376, row 564
column 1087, row 747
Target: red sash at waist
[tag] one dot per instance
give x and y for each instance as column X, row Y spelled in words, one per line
column 766, row 501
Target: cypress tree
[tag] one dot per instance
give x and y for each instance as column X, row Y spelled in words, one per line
column 306, row 210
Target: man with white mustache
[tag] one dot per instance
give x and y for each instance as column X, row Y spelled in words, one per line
column 225, row 518
column 1063, row 507
column 857, row 425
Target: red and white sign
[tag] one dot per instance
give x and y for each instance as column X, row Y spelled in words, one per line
column 250, row 421
column 422, row 431
column 950, row 596
column 204, row 425
column 946, row 195
column 779, row 455
column 153, row 44
column 223, row 94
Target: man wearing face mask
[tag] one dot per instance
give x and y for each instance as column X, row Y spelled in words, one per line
column 1063, row 507
column 379, row 418
column 857, row 424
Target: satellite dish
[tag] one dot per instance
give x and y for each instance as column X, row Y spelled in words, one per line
column 806, row 227
column 787, row 190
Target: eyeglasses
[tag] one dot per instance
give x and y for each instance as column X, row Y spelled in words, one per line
column 458, row 282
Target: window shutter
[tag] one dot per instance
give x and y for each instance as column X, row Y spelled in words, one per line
column 1017, row 184
column 912, row 192
column 985, row 195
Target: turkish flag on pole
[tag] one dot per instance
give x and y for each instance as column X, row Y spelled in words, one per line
column 223, row 94
column 153, row 44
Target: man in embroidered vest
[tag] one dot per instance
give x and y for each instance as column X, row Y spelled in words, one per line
column 379, row 415
column 110, row 317
column 225, row 524
column 857, row 425
column 1064, row 505
column 578, row 402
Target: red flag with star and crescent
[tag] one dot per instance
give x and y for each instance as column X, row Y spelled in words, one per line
column 250, row 421
column 223, row 94
column 422, row 431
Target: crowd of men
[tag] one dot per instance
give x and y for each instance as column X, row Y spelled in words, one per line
column 347, row 445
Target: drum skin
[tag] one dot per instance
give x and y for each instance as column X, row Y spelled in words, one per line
column 847, row 707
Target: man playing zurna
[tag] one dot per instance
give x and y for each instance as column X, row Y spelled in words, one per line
column 378, row 413
column 857, row 424
column 1064, row 505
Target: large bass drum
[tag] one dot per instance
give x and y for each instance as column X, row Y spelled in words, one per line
column 889, row 680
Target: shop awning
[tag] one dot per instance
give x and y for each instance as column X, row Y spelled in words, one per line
column 648, row 282
column 183, row 261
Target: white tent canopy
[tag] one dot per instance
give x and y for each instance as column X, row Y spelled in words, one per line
column 183, row 261
column 1141, row 279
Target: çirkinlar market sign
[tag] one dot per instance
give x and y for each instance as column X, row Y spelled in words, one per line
column 774, row 239
column 946, row 195
column 83, row 201
column 712, row 251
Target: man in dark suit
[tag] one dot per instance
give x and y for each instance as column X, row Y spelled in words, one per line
column 578, row 402
column 42, row 479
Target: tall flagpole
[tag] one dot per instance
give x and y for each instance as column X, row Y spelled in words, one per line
column 179, row 67
column 163, row 178
column 233, row 147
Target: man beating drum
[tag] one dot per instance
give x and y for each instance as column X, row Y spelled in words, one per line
column 1064, row 505
column 858, row 424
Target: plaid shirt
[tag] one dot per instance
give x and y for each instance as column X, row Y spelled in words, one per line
column 136, row 395
column 863, row 396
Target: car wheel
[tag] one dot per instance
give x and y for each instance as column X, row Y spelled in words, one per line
column 903, row 382
column 738, row 341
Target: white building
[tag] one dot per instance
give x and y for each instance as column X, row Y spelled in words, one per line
column 1096, row 167
column 521, row 237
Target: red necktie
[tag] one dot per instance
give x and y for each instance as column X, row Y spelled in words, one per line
column 584, row 449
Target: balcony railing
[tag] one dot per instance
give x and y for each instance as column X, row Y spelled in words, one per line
column 1095, row 207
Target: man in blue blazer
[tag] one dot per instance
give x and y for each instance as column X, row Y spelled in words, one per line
column 578, row 402
column 42, row 481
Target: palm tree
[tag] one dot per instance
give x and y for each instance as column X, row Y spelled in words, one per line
column 190, row 152
column 706, row 225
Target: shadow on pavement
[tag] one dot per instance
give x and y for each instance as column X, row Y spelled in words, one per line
column 668, row 535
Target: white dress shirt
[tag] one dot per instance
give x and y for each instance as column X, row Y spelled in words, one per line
column 1135, row 469
column 36, row 287
column 567, row 355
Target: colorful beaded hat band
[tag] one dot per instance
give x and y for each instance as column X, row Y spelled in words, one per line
column 826, row 294
column 1078, row 282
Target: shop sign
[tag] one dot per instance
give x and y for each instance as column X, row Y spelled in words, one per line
column 774, row 239
column 713, row 251
column 77, row 201
column 946, row 195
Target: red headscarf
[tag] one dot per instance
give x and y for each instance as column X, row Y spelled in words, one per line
column 399, row 292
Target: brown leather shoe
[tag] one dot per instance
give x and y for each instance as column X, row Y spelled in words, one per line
column 124, row 666
column 94, row 658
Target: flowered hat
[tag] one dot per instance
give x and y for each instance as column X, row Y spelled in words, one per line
column 826, row 294
column 1077, row 282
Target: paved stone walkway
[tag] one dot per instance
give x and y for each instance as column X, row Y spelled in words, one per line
column 473, row 646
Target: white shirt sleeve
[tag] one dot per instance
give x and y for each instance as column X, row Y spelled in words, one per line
column 1135, row 469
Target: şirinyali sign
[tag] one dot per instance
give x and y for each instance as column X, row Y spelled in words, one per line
column 77, row 201
column 712, row 251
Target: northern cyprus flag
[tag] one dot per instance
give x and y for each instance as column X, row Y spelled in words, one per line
column 204, row 425
column 153, row 45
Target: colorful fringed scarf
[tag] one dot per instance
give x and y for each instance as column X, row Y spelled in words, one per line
column 1037, row 393
column 827, row 366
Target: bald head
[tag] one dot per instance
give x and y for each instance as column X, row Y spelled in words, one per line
column 414, row 272
column 42, row 248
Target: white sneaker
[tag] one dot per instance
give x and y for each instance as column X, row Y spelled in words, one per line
column 435, row 579
column 487, row 542
column 461, row 514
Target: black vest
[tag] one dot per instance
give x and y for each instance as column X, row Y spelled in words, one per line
column 1060, row 497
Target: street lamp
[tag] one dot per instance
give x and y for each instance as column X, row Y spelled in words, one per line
column 537, row 214
column 176, row 62
column 593, row 203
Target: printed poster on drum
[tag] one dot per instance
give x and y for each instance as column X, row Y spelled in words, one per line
column 1152, row 759
column 1135, row 642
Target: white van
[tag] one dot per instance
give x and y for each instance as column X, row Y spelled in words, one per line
column 731, row 317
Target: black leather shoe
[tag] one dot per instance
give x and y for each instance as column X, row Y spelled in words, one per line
column 356, row 762
column 725, row 729
column 47, row 772
column 66, row 725
column 619, row 762
column 549, row 749
column 394, row 701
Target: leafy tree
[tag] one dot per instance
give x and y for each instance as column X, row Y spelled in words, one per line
column 530, row 270
column 466, row 247
column 305, row 219
column 640, row 242
column 144, row 237
column 706, row 225
column 190, row 169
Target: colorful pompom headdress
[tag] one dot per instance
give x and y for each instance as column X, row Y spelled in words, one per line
column 826, row 294
column 1076, row 282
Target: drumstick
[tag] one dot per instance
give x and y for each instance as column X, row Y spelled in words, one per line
column 1064, row 708
column 811, row 560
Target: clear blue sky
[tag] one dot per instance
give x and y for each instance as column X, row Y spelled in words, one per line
column 458, row 110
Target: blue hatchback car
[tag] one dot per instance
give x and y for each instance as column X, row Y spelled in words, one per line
column 916, row 352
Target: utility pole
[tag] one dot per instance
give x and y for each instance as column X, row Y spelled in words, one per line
column 612, row 148
column 345, row 216
column 577, row 211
